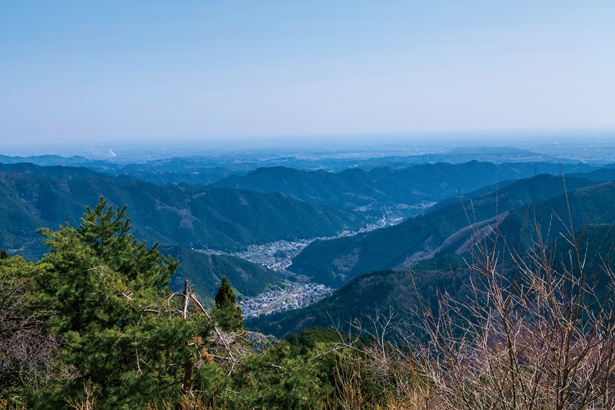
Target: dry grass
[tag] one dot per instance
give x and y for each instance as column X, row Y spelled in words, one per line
column 528, row 337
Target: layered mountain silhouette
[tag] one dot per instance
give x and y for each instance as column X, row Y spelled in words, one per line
column 33, row 197
column 449, row 229
column 380, row 190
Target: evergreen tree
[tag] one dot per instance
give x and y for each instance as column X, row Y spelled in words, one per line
column 3, row 254
column 123, row 329
column 226, row 313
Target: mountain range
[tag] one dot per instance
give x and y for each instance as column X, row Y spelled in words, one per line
column 401, row 190
column 33, row 197
column 474, row 201
column 370, row 300
column 444, row 229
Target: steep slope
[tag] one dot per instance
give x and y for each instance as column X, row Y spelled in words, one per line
column 603, row 175
column 174, row 215
column 380, row 189
column 399, row 292
column 443, row 230
column 371, row 295
column 205, row 272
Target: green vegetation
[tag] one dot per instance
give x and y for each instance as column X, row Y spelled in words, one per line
column 186, row 216
column 94, row 325
column 225, row 312
column 205, row 272
column 522, row 318
column 111, row 308
column 446, row 231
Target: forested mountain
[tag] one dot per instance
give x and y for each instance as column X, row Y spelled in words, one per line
column 376, row 189
column 94, row 320
column 203, row 217
column 445, row 230
column 205, row 272
column 603, row 174
column 54, row 171
column 406, row 293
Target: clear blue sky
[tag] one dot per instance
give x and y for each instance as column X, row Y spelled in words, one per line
column 76, row 71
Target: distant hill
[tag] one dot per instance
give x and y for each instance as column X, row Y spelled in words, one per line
column 603, row 174
column 55, row 171
column 194, row 167
column 446, row 229
column 49, row 160
column 184, row 215
column 380, row 190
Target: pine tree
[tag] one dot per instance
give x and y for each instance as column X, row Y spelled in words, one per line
column 123, row 334
column 226, row 313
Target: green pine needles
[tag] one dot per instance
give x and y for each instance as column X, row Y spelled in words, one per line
column 124, row 336
column 226, row 313
column 94, row 325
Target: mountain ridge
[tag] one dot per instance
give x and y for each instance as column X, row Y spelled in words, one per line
column 193, row 217
column 334, row 262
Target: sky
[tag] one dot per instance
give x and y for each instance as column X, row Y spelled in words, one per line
column 94, row 71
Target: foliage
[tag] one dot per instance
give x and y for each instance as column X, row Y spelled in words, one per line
column 123, row 333
column 205, row 271
column 26, row 351
column 226, row 313
column 94, row 325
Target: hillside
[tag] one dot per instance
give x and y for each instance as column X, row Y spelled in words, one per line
column 184, row 215
column 387, row 189
column 377, row 293
column 205, row 272
column 356, row 300
column 52, row 171
column 443, row 230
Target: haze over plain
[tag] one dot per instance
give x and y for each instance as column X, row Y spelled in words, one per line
column 77, row 72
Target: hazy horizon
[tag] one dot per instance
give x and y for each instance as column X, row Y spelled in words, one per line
column 584, row 145
column 77, row 73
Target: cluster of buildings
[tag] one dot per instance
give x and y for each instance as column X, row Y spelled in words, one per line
column 276, row 255
column 292, row 296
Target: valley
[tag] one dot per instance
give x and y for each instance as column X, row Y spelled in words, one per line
column 302, row 265
column 297, row 291
column 307, row 205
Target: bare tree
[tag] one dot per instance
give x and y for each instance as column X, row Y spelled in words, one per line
column 26, row 350
column 531, row 337
column 532, row 330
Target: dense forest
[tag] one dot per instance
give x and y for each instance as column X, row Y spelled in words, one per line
column 307, row 205
column 93, row 324
column 499, row 297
